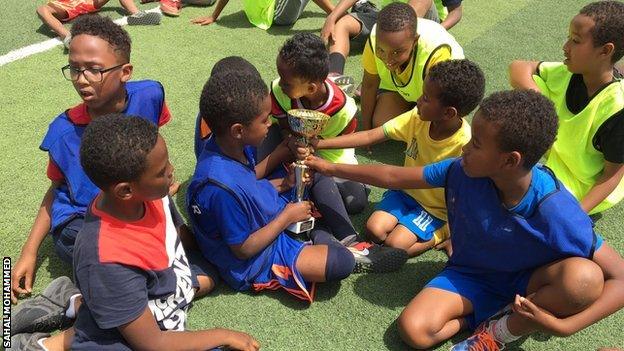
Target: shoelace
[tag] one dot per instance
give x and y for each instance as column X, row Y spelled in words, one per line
column 483, row 341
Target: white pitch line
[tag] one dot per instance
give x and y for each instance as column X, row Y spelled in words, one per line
column 48, row 44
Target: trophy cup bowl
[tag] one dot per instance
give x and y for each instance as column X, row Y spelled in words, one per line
column 305, row 124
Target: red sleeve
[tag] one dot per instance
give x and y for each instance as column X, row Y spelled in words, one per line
column 53, row 172
column 165, row 115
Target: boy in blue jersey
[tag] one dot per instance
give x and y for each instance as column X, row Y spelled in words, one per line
column 522, row 245
column 238, row 216
column 588, row 92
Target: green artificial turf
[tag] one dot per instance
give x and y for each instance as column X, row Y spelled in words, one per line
column 357, row 314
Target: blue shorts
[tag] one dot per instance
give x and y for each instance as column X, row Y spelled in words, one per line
column 200, row 266
column 281, row 271
column 410, row 214
column 487, row 292
column 64, row 238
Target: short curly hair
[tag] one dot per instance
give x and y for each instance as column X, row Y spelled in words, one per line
column 114, row 148
column 396, row 17
column 609, row 27
column 526, row 121
column 105, row 29
column 233, row 63
column 230, row 98
column 461, row 82
column 307, row 55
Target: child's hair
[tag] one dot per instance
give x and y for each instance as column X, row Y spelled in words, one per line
column 105, row 29
column 114, row 148
column 233, row 63
column 526, row 122
column 609, row 28
column 461, row 83
column 231, row 97
column 306, row 54
column 396, row 17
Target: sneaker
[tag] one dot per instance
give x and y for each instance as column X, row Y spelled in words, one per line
column 374, row 258
column 346, row 83
column 143, row 18
column 482, row 339
column 27, row 341
column 170, row 7
column 46, row 312
column 66, row 41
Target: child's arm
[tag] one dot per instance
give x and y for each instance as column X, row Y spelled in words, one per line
column 327, row 32
column 521, row 74
column 610, row 301
column 261, row 238
column 27, row 263
column 454, row 16
column 278, row 156
column 325, row 5
column 49, row 16
column 204, row 21
column 608, row 181
column 370, row 84
column 144, row 334
column 358, row 139
column 421, row 6
column 385, row 176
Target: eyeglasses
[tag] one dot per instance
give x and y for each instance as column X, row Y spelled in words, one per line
column 93, row 75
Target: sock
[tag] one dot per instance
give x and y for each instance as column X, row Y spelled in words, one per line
column 340, row 263
column 501, row 332
column 336, row 63
column 71, row 310
column 40, row 343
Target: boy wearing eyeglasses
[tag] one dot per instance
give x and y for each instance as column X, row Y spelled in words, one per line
column 100, row 70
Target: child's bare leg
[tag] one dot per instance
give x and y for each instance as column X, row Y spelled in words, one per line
column 563, row 288
column 433, row 316
column 379, row 225
column 206, row 285
column 389, row 105
column 61, row 341
column 346, row 27
column 98, row 4
column 129, row 6
column 52, row 16
column 403, row 238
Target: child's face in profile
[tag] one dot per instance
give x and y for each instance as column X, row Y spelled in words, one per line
column 158, row 174
column 257, row 130
column 293, row 86
column 579, row 51
column 482, row 156
column 430, row 108
column 395, row 48
column 91, row 52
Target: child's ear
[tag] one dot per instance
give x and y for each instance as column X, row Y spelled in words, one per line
column 607, row 50
column 450, row 112
column 236, row 131
column 313, row 88
column 122, row 191
column 126, row 72
column 514, row 160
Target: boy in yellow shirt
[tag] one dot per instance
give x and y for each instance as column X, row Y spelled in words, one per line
column 399, row 53
column 410, row 219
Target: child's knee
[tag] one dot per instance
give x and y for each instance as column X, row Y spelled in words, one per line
column 415, row 330
column 376, row 230
column 206, row 285
column 582, row 282
column 43, row 9
column 340, row 263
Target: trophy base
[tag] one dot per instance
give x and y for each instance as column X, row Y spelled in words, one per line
column 301, row 227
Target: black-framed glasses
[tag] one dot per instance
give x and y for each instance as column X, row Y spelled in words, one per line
column 93, row 75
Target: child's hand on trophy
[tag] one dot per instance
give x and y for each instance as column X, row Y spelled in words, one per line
column 319, row 165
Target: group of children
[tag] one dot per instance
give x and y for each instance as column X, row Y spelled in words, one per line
column 523, row 253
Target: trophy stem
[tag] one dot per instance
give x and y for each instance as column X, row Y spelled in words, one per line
column 300, row 173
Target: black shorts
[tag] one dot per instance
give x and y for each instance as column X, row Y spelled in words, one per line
column 366, row 14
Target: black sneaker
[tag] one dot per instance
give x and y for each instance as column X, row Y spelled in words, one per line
column 143, row 18
column 27, row 341
column 46, row 312
column 374, row 258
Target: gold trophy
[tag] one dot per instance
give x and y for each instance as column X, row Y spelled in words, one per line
column 305, row 124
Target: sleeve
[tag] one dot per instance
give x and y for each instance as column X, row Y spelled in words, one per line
column 368, row 59
column 165, row 115
column 435, row 173
column 276, row 110
column 442, row 53
column 232, row 221
column 175, row 214
column 115, row 294
column 610, row 138
column 53, row 172
column 399, row 128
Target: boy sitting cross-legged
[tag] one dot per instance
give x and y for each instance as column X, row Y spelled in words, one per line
column 525, row 255
column 239, row 217
column 415, row 219
column 100, row 70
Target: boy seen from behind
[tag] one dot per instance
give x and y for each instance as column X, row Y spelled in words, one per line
column 588, row 93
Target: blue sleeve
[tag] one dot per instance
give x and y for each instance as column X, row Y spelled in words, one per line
column 599, row 242
column 435, row 173
column 232, row 221
column 114, row 294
